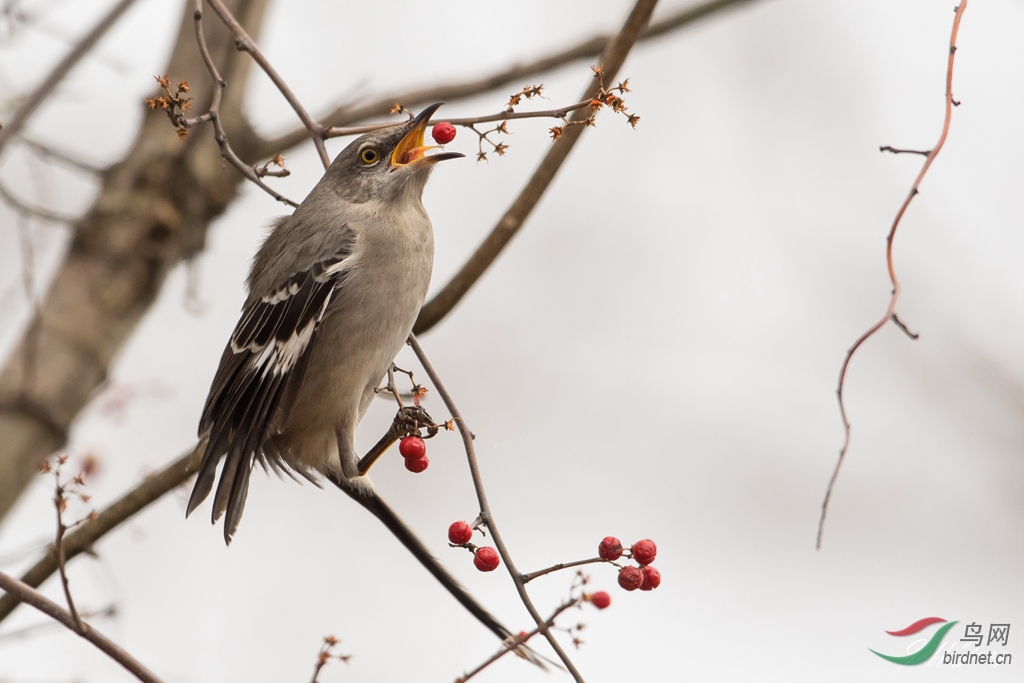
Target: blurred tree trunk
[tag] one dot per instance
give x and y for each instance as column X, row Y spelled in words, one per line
column 152, row 211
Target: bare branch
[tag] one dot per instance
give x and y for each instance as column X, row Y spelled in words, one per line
column 611, row 61
column 468, row 122
column 527, row 578
column 896, row 150
column 890, row 311
column 49, row 84
column 244, row 42
column 22, row 592
column 82, row 539
column 48, row 625
column 485, row 508
column 213, row 115
column 519, row 640
column 27, row 209
column 48, row 152
column 350, row 114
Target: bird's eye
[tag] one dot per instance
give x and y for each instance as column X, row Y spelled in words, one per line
column 370, row 155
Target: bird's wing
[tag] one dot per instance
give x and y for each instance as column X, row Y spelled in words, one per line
column 268, row 350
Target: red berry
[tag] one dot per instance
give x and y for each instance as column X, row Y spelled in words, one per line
column 460, row 533
column 600, row 600
column 486, row 559
column 416, row 465
column 645, row 551
column 443, row 133
column 630, row 578
column 610, row 548
column 412, row 447
column 652, row 578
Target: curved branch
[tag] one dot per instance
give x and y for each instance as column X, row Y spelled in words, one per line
column 485, row 508
column 244, row 42
column 25, row 593
column 444, row 301
column 214, row 116
column 49, row 85
column 82, row 539
column 890, row 311
column 350, row 114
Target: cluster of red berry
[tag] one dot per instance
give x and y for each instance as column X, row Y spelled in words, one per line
column 485, row 558
column 414, row 450
column 645, row 577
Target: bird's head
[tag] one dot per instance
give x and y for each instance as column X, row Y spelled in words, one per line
column 388, row 163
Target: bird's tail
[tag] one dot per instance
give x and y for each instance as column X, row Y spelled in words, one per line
column 366, row 496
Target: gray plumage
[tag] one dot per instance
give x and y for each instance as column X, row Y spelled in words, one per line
column 333, row 295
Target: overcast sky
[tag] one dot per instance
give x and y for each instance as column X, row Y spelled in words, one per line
column 654, row 356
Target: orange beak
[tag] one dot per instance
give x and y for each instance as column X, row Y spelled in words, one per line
column 411, row 150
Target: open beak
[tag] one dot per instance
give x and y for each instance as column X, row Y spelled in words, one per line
column 411, row 150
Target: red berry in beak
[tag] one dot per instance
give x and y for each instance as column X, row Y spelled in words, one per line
column 460, row 533
column 443, row 133
column 486, row 559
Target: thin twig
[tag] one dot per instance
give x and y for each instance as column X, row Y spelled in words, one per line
column 48, row 152
column 903, row 326
column 213, row 115
column 502, row 233
column 350, row 114
column 49, row 624
column 890, row 310
column 35, row 211
column 325, row 655
column 22, row 592
column 485, row 509
column 244, row 42
column 339, row 131
column 49, row 84
column 83, row 538
column 59, row 502
column 517, row 641
column 527, row 578
column 895, row 150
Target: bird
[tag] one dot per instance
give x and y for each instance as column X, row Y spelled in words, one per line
column 333, row 293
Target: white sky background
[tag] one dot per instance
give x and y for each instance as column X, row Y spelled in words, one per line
column 654, row 356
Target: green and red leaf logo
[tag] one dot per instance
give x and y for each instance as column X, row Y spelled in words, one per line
column 929, row 648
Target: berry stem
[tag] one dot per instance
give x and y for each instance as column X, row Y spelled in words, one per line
column 515, row 641
column 485, row 508
column 527, row 578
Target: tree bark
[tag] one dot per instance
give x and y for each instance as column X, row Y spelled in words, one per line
column 152, row 211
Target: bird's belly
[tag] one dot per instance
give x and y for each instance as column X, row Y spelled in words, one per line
column 364, row 330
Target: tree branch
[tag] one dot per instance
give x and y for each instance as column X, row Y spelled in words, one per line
column 244, row 42
column 351, row 114
column 82, row 539
column 485, row 509
column 611, row 61
column 23, row 207
column 49, row 84
column 25, row 593
column 890, row 311
column 213, row 114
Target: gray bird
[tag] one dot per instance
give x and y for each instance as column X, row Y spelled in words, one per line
column 333, row 295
